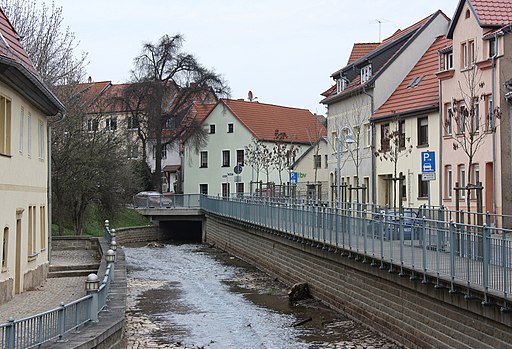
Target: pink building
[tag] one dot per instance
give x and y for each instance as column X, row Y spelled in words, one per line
column 475, row 128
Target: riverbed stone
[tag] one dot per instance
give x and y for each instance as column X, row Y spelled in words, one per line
column 298, row 292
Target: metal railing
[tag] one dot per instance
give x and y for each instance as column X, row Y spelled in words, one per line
column 425, row 243
column 35, row 330
column 155, row 200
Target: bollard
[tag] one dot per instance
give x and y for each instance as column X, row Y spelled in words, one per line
column 92, row 286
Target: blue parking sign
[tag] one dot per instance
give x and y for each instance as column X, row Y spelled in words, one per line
column 428, row 161
column 294, row 177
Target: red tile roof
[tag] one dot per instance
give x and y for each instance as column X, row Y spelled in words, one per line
column 11, row 46
column 493, row 12
column 262, row 120
column 361, row 49
column 356, row 82
column 410, row 96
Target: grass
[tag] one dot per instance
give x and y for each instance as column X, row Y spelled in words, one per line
column 94, row 223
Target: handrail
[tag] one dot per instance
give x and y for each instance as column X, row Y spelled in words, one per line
column 53, row 324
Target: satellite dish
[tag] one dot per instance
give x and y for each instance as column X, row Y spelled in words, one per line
column 250, row 96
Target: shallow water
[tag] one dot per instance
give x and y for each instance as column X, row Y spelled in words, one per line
column 199, row 297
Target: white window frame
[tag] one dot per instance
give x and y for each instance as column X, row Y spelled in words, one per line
column 29, row 134
column 366, row 73
column 22, row 129
column 40, row 138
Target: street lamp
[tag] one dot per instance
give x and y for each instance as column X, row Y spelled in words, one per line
column 349, row 139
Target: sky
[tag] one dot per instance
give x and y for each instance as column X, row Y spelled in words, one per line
column 284, row 51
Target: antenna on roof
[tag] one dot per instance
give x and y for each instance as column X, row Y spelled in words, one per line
column 380, row 21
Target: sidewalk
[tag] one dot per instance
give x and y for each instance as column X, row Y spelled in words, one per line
column 53, row 291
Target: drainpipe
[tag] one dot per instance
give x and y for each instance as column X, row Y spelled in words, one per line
column 374, row 176
column 441, row 130
column 493, row 123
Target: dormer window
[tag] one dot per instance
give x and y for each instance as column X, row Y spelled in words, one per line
column 366, row 73
column 341, row 84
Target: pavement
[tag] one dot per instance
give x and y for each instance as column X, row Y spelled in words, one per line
column 53, row 291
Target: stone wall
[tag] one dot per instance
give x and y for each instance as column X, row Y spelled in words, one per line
column 414, row 314
column 138, row 234
column 6, row 288
column 35, row 278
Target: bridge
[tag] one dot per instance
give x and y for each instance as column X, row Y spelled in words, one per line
column 458, row 274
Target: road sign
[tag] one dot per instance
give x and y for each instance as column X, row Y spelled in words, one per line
column 428, row 176
column 238, row 169
column 428, row 161
column 294, row 177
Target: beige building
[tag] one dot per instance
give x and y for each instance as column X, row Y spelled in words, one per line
column 25, row 104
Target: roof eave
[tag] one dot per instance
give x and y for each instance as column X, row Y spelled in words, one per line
column 407, row 113
column 26, row 84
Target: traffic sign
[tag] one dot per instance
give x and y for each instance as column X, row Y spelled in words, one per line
column 428, row 161
column 294, row 177
column 238, row 169
column 428, row 176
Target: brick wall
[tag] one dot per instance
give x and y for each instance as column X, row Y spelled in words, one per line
column 414, row 314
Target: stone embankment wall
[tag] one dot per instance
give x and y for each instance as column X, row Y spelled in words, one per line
column 414, row 314
column 138, row 234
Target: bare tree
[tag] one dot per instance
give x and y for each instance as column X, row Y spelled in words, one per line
column 88, row 165
column 464, row 125
column 50, row 46
column 167, row 85
column 283, row 153
column 394, row 146
column 254, row 156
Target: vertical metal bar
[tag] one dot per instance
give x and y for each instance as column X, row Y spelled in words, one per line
column 424, row 249
column 505, row 269
column 365, row 236
column 402, row 241
column 452, row 257
column 486, row 262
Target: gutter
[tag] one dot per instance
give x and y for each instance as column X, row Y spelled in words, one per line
column 493, row 122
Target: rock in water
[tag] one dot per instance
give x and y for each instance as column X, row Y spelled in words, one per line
column 299, row 292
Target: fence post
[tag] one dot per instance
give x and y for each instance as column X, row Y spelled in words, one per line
column 452, row 256
column 504, row 266
column 11, row 333
column 62, row 322
column 92, row 285
column 486, row 264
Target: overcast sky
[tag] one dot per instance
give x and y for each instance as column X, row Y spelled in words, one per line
column 282, row 50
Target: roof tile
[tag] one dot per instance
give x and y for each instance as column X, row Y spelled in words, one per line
column 493, row 12
column 419, row 89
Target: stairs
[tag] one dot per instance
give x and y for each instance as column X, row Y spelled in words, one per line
column 59, row 271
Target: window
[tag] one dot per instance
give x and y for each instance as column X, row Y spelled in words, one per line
column 164, row 151
column 170, row 123
column 384, row 137
column 366, row 73
column 423, row 131
column 203, row 158
column 489, row 111
column 230, row 128
column 448, row 60
column 92, row 124
column 367, row 135
column 225, row 158
column 317, row 161
column 22, row 128
column 356, row 135
column 472, row 56
column 111, row 124
column 334, row 142
column 240, row 157
column 476, row 174
column 448, row 115
column 475, row 122
column 212, row 129
column 225, row 190
column 462, row 180
column 366, row 183
column 5, row 245
column 240, row 188
column 492, row 47
column 133, row 151
column 449, row 182
column 326, row 164
column 132, row 123
column 403, row 182
column 40, row 140
column 31, row 231
column 401, row 129
column 341, row 84
column 5, row 126
column 42, row 226
column 422, row 188
column 464, row 57
column 463, row 112
column 203, row 189
column 29, row 134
